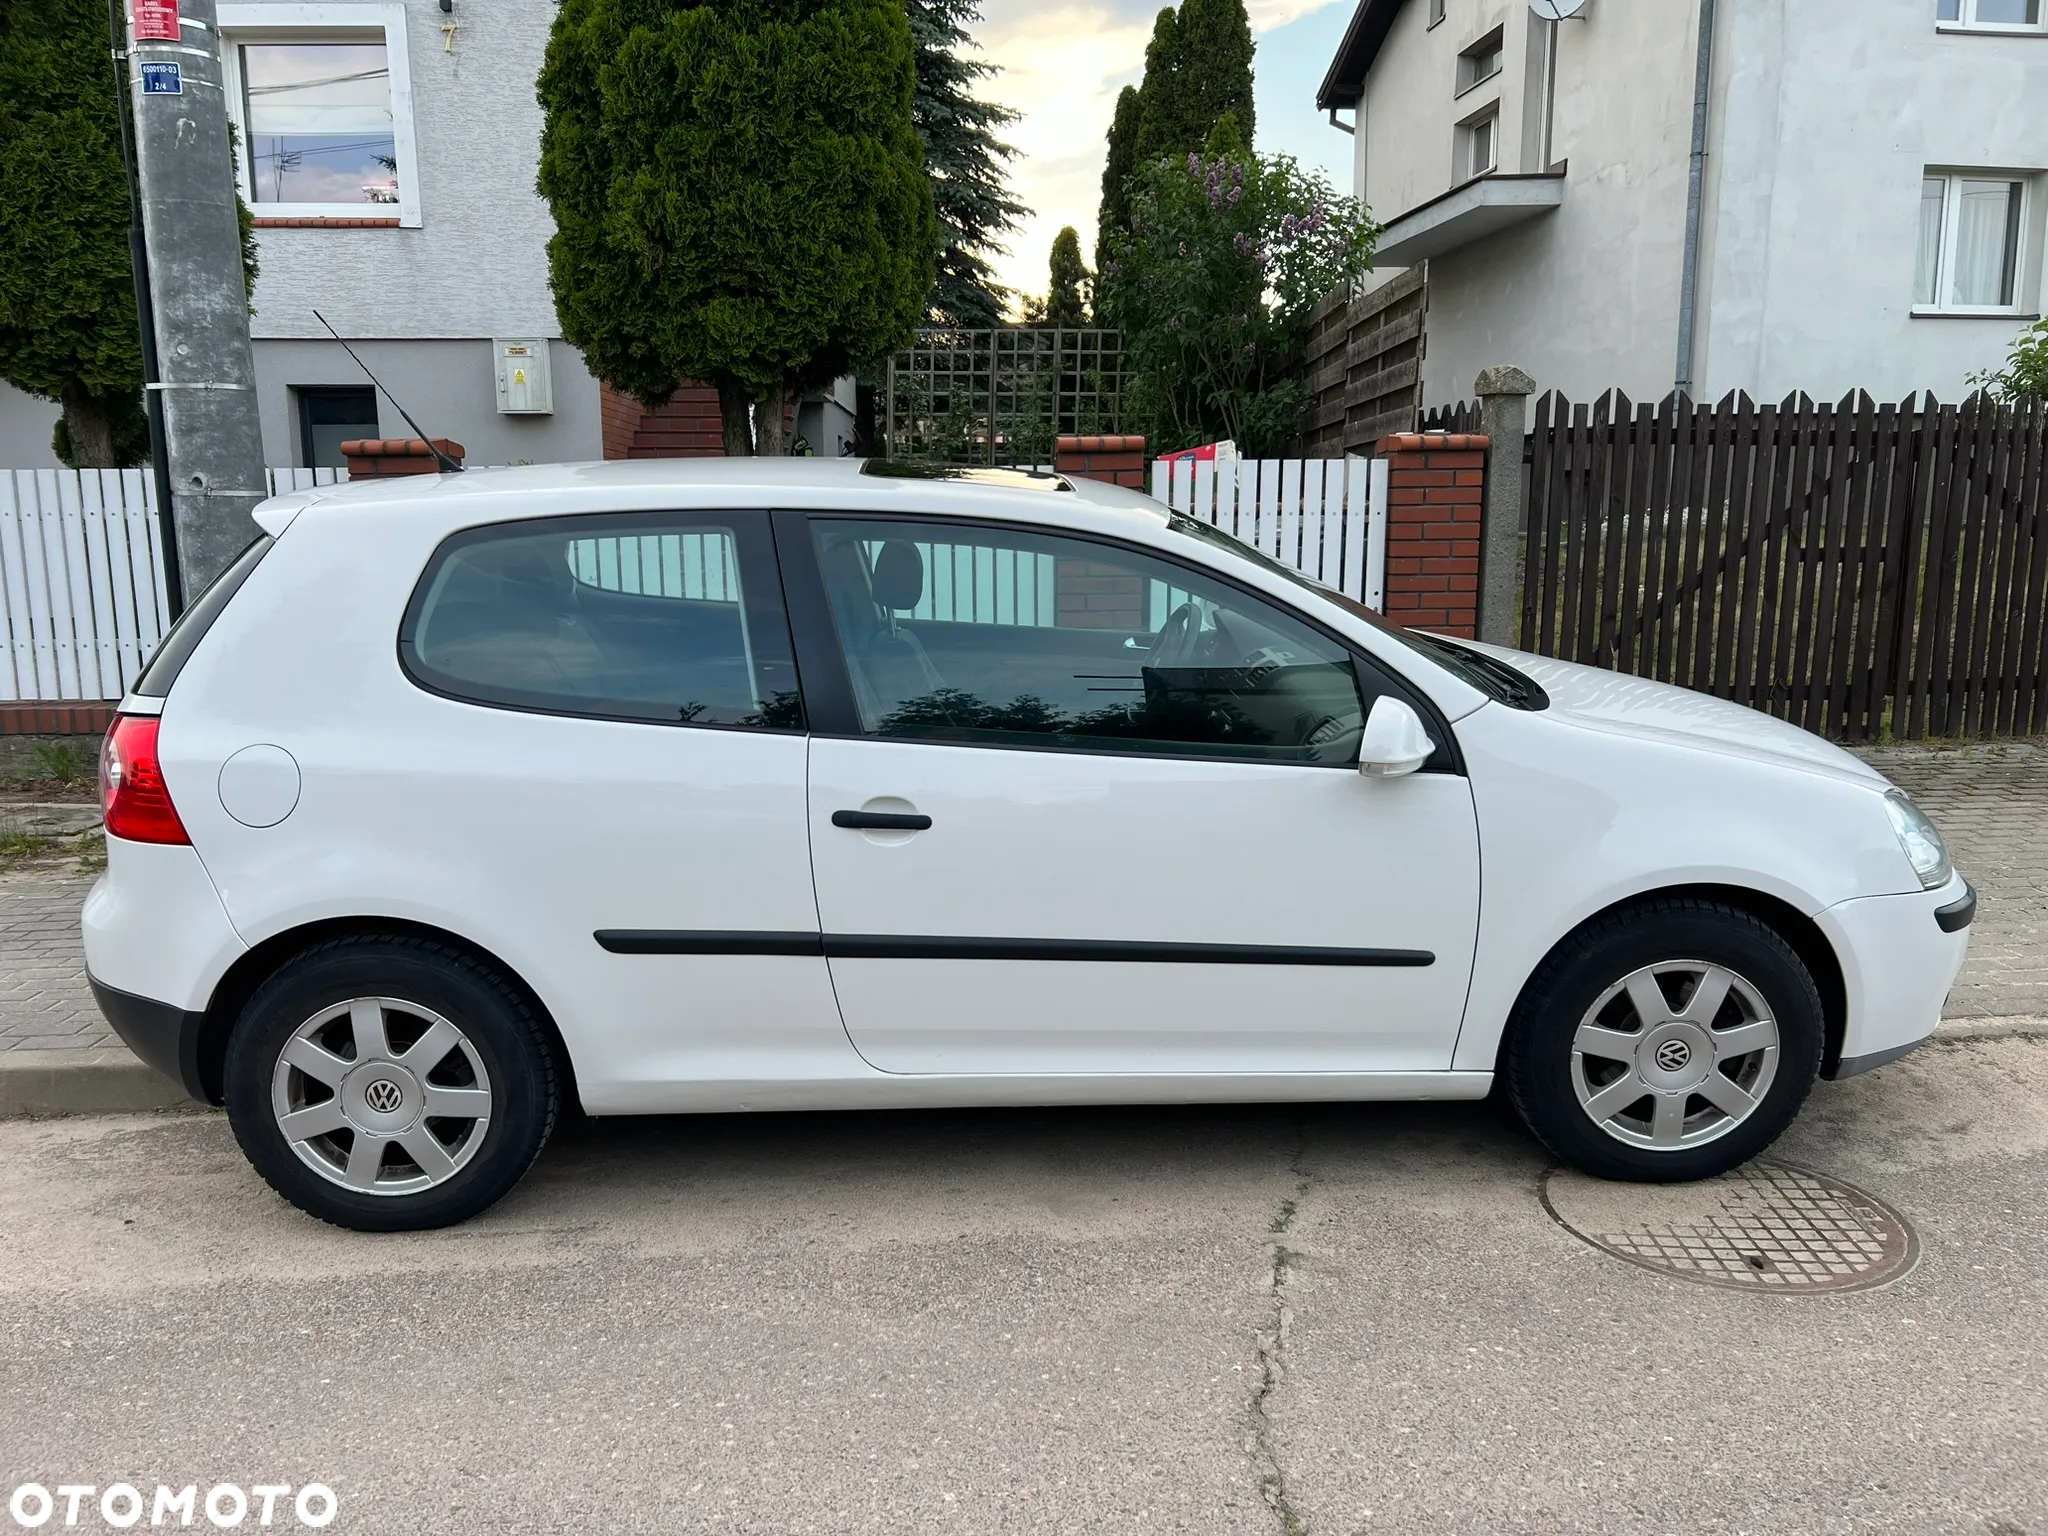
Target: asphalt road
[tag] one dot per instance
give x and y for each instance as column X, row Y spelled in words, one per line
column 1201, row 1320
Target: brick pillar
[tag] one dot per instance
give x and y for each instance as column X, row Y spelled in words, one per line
column 618, row 415
column 1119, row 460
column 371, row 458
column 1436, row 501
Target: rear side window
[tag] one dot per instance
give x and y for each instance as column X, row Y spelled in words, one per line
column 196, row 620
column 671, row 618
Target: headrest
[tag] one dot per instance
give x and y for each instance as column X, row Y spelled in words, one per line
column 899, row 576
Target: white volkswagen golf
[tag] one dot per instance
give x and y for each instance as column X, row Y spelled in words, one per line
column 767, row 785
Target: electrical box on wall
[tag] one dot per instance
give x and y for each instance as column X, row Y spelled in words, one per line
column 524, row 385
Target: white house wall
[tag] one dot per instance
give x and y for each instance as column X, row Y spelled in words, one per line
column 1586, row 297
column 1823, row 132
column 476, row 268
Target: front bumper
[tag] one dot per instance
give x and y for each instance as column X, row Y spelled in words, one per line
column 1900, row 955
column 164, row 1035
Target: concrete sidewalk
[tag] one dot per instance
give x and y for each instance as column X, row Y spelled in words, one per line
column 1990, row 801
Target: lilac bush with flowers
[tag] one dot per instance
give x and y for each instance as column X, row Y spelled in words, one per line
column 1212, row 283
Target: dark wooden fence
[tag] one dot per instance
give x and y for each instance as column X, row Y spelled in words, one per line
column 1362, row 366
column 1862, row 570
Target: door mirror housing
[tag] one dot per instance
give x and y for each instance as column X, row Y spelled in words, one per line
column 1394, row 742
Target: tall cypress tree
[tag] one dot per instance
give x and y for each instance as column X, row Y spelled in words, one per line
column 1066, row 297
column 1198, row 71
column 1216, row 69
column 739, row 195
column 967, row 161
column 67, row 299
column 1117, row 168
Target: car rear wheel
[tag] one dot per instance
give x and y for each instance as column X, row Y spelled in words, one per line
column 390, row 1084
column 1665, row 1042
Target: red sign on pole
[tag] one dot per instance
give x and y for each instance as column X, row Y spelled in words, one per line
column 156, row 21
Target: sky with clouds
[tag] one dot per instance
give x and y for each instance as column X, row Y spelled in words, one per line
column 1063, row 62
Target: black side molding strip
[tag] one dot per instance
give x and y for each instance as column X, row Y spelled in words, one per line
column 1960, row 913
column 884, row 946
column 697, row 941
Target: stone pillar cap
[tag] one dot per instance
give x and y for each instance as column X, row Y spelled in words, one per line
column 1503, row 379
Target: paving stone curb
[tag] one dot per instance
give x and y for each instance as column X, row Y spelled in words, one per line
column 83, row 1083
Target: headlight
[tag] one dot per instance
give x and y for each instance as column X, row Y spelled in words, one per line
column 1922, row 844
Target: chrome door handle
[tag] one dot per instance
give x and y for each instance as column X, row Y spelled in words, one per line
column 882, row 821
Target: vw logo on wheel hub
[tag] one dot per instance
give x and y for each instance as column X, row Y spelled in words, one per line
column 1672, row 1056
column 384, row 1095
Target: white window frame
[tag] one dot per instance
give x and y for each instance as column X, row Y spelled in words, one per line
column 1462, row 168
column 2023, row 280
column 318, row 23
column 1968, row 22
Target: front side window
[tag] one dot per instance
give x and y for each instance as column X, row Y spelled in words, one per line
column 1991, row 14
column 665, row 618
column 322, row 111
column 1009, row 637
column 1969, row 241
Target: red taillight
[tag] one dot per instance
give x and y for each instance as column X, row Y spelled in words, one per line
column 133, row 796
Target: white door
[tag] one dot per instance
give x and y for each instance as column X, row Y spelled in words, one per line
column 627, row 810
column 1103, row 816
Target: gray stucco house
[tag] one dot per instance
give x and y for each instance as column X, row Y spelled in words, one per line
column 1871, row 191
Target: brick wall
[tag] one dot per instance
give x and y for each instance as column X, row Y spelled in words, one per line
column 32, row 719
column 1095, row 596
column 1436, row 499
column 1118, row 460
column 687, row 427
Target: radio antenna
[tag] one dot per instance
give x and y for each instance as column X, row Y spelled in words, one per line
column 447, row 465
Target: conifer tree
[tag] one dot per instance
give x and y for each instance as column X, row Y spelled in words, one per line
column 967, row 159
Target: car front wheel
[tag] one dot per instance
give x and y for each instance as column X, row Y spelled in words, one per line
column 390, row 1084
column 1665, row 1042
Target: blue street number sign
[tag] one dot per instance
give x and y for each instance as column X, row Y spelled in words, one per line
column 162, row 79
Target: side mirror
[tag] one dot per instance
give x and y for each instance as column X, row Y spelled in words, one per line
column 1394, row 742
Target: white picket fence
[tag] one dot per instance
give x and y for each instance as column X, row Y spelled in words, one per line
column 1325, row 517
column 81, row 578
column 82, row 601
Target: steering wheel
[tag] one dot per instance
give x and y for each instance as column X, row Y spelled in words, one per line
column 1179, row 637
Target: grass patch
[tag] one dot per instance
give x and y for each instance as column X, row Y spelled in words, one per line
column 18, row 845
column 91, row 848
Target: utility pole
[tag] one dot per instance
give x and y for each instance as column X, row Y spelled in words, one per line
column 185, row 169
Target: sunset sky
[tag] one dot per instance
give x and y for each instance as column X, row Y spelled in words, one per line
column 1063, row 63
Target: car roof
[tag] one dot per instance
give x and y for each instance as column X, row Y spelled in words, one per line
column 725, row 484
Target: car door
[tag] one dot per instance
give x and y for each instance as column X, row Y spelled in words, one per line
column 607, row 771
column 1094, row 811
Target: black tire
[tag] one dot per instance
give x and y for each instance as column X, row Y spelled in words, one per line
column 1536, row 1056
column 510, row 1044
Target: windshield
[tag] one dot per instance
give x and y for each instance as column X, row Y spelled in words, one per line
column 1491, row 676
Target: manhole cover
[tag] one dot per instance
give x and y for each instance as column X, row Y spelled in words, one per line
column 1765, row 1226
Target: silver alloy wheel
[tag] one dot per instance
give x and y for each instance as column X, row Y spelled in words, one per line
column 381, row 1096
column 1675, row 1055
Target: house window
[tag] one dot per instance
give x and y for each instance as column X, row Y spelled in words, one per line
column 322, row 99
column 330, row 417
column 1971, row 231
column 1436, row 13
column 1991, row 15
column 1478, row 144
column 1480, row 62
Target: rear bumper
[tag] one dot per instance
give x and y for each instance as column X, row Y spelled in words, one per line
column 164, row 1035
column 1900, row 955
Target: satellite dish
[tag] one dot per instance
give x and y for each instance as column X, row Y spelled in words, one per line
column 1557, row 10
